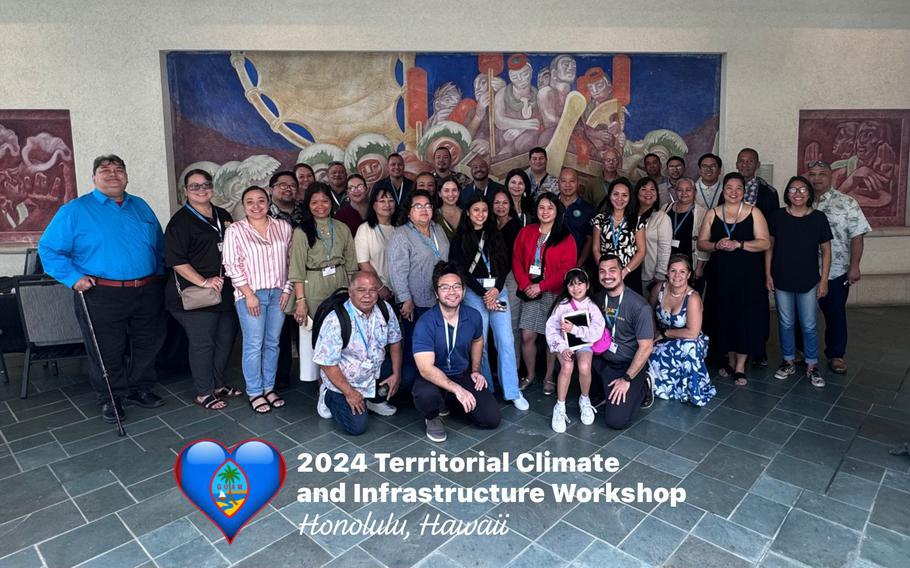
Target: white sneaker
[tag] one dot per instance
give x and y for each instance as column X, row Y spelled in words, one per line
column 381, row 408
column 560, row 420
column 321, row 409
column 587, row 411
column 521, row 403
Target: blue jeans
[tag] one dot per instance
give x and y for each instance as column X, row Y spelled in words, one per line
column 789, row 306
column 260, row 341
column 352, row 424
column 834, row 307
column 505, row 343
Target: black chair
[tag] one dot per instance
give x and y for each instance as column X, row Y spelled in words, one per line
column 32, row 263
column 48, row 323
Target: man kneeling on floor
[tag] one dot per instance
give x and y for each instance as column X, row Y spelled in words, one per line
column 448, row 348
column 351, row 356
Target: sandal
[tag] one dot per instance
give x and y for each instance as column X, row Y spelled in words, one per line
column 725, row 371
column 549, row 386
column 525, row 382
column 741, row 379
column 210, row 402
column 227, row 392
column 274, row 400
column 258, row 408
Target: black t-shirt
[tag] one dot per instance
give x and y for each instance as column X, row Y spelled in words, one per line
column 633, row 321
column 192, row 240
column 794, row 265
column 683, row 233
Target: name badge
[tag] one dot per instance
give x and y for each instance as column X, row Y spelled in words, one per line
column 220, row 247
column 328, row 271
column 488, row 282
column 613, row 348
column 535, row 270
column 674, row 243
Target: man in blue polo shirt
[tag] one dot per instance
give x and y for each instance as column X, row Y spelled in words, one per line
column 109, row 246
column 578, row 214
column 448, row 348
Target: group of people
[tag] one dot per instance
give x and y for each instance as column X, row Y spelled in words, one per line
column 413, row 289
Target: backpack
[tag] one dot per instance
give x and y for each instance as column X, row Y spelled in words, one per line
column 335, row 303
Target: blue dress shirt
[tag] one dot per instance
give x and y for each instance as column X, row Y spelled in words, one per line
column 94, row 236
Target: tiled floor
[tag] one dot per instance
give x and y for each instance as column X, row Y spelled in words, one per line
column 778, row 474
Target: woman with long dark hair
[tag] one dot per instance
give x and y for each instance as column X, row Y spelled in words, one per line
column 618, row 231
column 371, row 238
column 543, row 253
column 658, row 233
column 449, row 213
column 479, row 250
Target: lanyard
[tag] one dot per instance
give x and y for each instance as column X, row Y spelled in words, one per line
column 450, row 348
column 727, row 228
column 328, row 248
column 217, row 226
column 677, row 225
column 363, row 337
column 336, row 199
column 397, row 193
column 612, row 320
column 701, row 189
column 381, row 234
column 540, row 242
column 483, row 255
column 434, row 244
column 615, row 232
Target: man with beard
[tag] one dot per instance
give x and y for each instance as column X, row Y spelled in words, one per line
column 442, row 160
column 399, row 186
column 708, row 188
column 338, row 180
column 623, row 368
column 448, row 349
column 537, row 173
column 481, row 183
column 283, row 188
column 676, row 170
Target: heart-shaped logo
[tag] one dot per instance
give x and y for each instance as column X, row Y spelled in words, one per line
column 230, row 485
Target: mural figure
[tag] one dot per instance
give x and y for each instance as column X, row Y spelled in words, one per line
column 515, row 110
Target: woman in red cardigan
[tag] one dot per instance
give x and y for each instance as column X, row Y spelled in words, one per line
column 544, row 252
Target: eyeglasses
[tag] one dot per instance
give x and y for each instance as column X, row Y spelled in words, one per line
column 421, row 206
column 450, row 288
column 358, row 187
column 284, row 185
column 798, row 189
column 199, row 186
column 818, row 164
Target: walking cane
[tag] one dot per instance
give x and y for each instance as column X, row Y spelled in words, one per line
column 91, row 329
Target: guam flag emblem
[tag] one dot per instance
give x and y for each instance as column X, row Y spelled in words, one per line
column 229, row 488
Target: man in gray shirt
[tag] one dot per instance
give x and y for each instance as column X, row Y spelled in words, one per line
column 623, row 368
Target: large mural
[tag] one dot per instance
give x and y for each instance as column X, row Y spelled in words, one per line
column 36, row 173
column 244, row 115
column 868, row 152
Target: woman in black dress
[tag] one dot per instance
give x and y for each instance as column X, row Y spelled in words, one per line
column 736, row 310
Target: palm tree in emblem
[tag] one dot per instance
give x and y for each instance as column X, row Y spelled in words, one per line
column 229, row 476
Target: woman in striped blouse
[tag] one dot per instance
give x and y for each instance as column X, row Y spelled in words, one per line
column 256, row 260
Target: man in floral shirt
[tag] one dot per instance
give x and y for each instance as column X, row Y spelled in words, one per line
column 349, row 374
column 848, row 225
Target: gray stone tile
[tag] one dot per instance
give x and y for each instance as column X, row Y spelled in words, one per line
column 895, row 480
column 198, row 553
column 711, row 494
column 730, row 419
column 84, row 542
column 816, row 542
column 29, row 491
column 411, row 550
column 624, row 448
column 611, row 524
column 709, row 431
column 262, row 532
column 389, row 443
column 776, row 490
column 38, row 526
column 38, row 425
column 885, row 548
column 512, row 439
column 731, row 537
column 39, row 456
column 891, row 510
column 845, row 417
column 694, row 552
column 805, row 406
column 875, row 453
column 786, row 417
column 123, row 458
column 652, row 541
column 152, row 486
column 801, row 473
column 354, row 558
column 759, row 514
column 752, row 444
column 25, row 558
column 772, row 560
column 8, row 467
column 884, row 430
column 148, row 515
column 129, row 555
column 655, row 434
column 634, row 473
column 532, row 519
column 733, row 466
column 23, row 444
column 536, row 557
column 751, row 402
column 853, row 490
column 567, row 446
column 666, row 462
column 481, row 551
column 693, row 447
column 683, row 515
column 682, row 417
column 565, row 540
column 169, row 537
column 862, row 469
column 438, row 560
column 600, row 554
column 835, row 511
column 828, row 429
column 816, row 448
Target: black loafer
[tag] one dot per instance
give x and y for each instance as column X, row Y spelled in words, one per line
column 108, row 409
column 145, row 399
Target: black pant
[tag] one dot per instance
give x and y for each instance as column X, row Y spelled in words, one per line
column 428, row 399
column 619, row 416
column 290, row 334
column 128, row 322
column 211, row 338
column 834, row 307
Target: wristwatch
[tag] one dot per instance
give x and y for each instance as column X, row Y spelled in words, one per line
column 742, row 245
column 626, row 378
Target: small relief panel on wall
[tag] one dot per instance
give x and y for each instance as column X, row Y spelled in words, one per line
column 36, row 172
column 868, row 153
